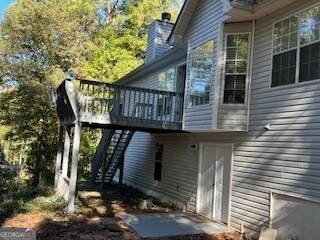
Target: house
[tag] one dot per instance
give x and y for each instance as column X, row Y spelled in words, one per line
column 223, row 119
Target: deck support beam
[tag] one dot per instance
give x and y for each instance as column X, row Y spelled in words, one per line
column 66, row 151
column 74, row 166
column 59, row 157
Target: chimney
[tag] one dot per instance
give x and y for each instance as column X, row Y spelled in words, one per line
column 158, row 33
column 166, row 17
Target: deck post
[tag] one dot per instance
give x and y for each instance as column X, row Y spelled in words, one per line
column 59, row 157
column 74, row 167
column 121, row 166
column 103, row 172
column 66, row 151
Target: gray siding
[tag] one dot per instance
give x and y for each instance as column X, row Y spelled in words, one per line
column 151, row 41
column 140, row 159
column 285, row 159
column 178, row 163
column 204, row 26
column 232, row 116
column 158, row 33
column 162, row 34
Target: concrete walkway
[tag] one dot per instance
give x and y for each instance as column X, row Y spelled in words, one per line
column 152, row 225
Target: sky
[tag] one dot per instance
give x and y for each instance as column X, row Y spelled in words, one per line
column 3, row 6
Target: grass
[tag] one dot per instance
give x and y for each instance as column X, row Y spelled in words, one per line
column 29, row 201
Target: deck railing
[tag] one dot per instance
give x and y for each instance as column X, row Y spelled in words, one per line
column 66, row 103
column 127, row 103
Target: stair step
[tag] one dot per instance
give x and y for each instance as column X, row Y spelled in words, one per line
column 114, row 149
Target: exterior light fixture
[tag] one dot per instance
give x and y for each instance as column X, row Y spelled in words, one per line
column 267, row 126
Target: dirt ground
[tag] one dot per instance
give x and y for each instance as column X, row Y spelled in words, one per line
column 97, row 218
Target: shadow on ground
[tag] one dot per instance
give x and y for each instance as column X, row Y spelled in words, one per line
column 96, row 216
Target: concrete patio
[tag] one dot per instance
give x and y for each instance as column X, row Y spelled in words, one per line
column 152, row 225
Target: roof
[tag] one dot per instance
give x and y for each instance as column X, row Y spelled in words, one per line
column 249, row 1
column 182, row 20
column 166, row 59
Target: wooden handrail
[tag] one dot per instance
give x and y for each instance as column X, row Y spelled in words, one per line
column 126, row 102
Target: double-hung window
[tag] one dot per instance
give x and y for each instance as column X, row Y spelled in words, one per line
column 296, row 48
column 236, row 68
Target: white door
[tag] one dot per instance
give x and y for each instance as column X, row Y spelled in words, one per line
column 214, row 181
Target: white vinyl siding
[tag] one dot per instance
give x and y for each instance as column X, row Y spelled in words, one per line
column 203, row 26
column 284, row 159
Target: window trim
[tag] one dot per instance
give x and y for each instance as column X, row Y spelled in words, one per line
column 247, row 73
column 188, row 74
column 297, row 48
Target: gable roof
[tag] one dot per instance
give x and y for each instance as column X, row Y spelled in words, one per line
column 166, row 59
column 182, row 21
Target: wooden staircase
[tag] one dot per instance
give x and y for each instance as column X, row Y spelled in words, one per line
column 120, row 111
column 109, row 155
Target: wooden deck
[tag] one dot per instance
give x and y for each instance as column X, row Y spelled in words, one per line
column 103, row 105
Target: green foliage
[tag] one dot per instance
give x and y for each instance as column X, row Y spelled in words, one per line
column 46, row 37
column 8, row 178
column 41, row 41
column 52, row 203
column 120, row 47
column 88, row 145
column 30, row 114
column 30, row 200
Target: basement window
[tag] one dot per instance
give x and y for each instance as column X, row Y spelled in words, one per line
column 296, row 48
column 158, row 162
column 236, row 68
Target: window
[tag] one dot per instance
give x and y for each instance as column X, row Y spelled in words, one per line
column 236, row 68
column 201, row 73
column 295, row 36
column 166, row 82
column 158, row 162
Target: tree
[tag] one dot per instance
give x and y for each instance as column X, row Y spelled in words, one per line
column 120, row 47
column 40, row 41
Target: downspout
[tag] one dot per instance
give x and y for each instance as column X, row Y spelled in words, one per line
column 251, row 65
